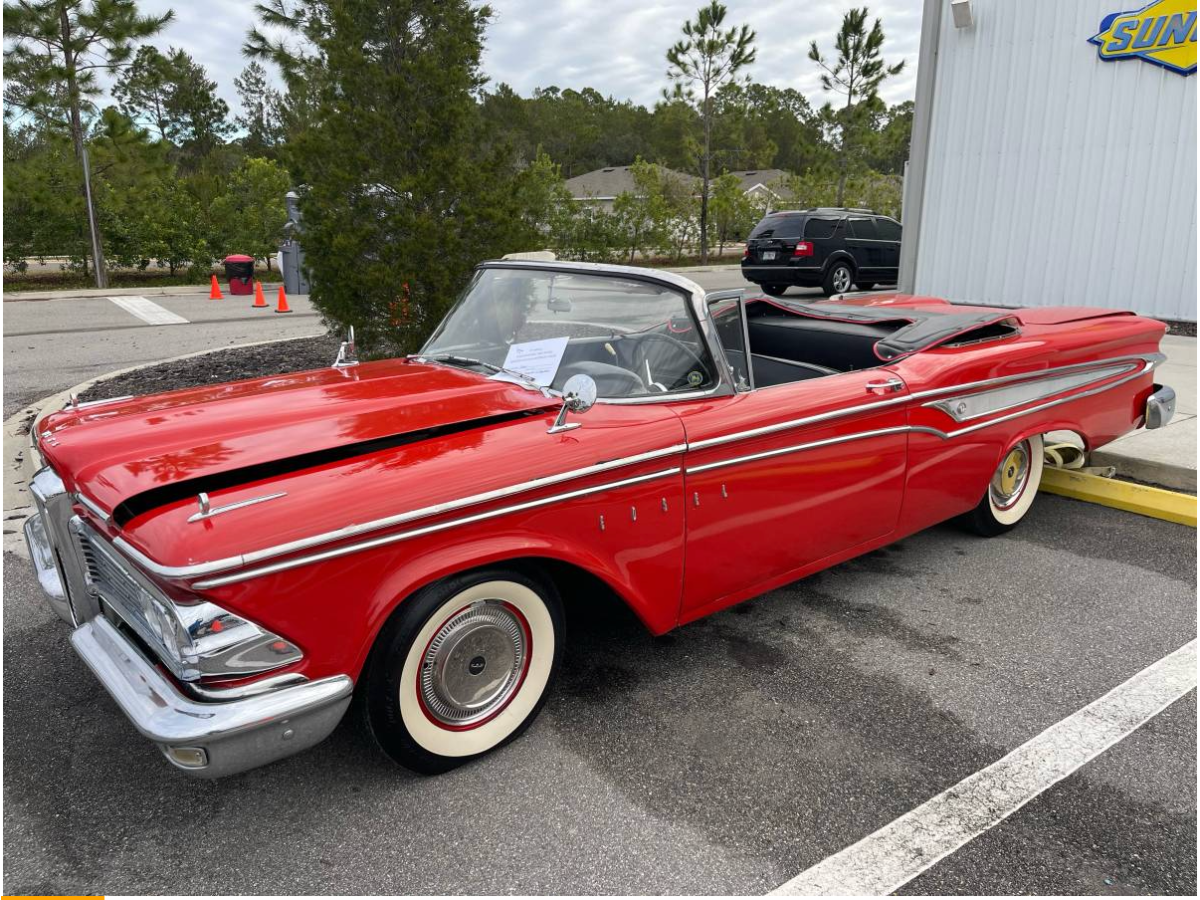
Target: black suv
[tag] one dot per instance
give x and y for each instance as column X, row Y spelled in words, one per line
column 829, row 248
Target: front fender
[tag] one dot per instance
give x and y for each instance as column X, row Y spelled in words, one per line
column 645, row 599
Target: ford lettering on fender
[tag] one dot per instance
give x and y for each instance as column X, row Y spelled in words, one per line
column 237, row 561
column 1163, row 33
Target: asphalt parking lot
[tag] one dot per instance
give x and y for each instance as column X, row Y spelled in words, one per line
column 724, row 758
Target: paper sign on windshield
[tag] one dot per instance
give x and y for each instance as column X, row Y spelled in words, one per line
column 537, row 359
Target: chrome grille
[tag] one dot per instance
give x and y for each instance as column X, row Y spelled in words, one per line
column 140, row 608
column 106, row 578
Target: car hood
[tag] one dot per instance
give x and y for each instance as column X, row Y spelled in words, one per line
column 132, row 456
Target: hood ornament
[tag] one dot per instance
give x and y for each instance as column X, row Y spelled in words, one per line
column 207, row 510
column 347, row 353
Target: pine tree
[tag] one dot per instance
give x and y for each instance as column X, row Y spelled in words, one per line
column 707, row 58
column 55, row 49
column 400, row 198
column 857, row 73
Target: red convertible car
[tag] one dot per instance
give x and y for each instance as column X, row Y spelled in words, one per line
column 238, row 561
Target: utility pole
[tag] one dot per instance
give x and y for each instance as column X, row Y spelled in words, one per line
column 97, row 252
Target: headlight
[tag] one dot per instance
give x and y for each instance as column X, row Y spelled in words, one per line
column 194, row 640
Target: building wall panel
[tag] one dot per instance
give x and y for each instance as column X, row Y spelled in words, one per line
column 1055, row 178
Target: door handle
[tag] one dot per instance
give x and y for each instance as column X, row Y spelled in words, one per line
column 887, row 385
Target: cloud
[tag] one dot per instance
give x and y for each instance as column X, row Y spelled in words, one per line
column 617, row 47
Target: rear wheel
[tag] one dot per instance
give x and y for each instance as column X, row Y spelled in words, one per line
column 1011, row 491
column 775, row 290
column 838, row 279
column 463, row 667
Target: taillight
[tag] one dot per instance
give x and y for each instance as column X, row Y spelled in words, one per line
column 746, row 252
column 803, row 248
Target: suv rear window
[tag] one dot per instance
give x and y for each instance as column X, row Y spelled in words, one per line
column 888, row 230
column 819, row 229
column 863, row 229
column 779, row 227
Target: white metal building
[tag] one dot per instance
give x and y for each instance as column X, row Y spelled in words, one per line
column 1054, row 155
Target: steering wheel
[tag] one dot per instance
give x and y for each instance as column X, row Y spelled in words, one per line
column 660, row 355
column 611, row 381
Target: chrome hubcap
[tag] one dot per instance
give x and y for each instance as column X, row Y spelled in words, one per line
column 474, row 663
column 1009, row 481
column 841, row 280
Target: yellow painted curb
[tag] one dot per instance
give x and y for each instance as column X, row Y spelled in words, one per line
column 1134, row 498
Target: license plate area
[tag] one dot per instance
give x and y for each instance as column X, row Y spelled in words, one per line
column 768, row 255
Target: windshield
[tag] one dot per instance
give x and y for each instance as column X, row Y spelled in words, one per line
column 632, row 337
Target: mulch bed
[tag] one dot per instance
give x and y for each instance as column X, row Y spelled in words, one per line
column 224, row 365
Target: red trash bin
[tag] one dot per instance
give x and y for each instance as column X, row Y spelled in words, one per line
column 239, row 272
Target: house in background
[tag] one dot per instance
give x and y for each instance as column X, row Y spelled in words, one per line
column 602, row 186
column 766, row 187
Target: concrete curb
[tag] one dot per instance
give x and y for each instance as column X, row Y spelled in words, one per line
column 725, row 268
column 21, row 458
column 1148, row 471
column 85, row 293
column 1135, row 498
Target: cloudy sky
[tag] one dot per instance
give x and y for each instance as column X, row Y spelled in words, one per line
column 615, row 46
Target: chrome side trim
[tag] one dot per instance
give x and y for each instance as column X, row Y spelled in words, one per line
column 1155, row 360
column 233, row 562
column 796, row 423
column 91, row 504
column 1148, row 367
column 230, row 507
column 1006, row 397
column 1149, row 361
column 429, row 529
column 811, row 445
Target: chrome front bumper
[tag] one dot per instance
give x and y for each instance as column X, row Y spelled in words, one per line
column 210, row 740
column 1160, row 406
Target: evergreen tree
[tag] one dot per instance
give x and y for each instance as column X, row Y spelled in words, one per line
column 857, row 73
column 261, row 110
column 399, row 200
column 707, row 58
column 55, row 49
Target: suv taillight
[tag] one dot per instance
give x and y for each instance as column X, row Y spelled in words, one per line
column 803, row 248
column 746, row 251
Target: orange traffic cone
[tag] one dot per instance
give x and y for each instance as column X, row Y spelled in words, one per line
column 260, row 302
column 215, row 293
column 283, row 304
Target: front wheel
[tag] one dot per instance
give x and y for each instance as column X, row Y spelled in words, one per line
column 463, row 667
column 838, row 279
column 1011, row 491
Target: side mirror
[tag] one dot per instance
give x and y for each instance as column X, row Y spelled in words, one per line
column 560, row 304
column 579, row 395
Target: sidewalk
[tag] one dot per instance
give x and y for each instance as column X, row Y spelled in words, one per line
column 1165, row 456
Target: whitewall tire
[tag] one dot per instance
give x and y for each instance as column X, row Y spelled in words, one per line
column 1011, row 490
column 463, row 667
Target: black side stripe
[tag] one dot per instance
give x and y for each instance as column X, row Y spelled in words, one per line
column 134, row 506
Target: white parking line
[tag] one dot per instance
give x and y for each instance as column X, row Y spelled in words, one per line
column 897, row 853
column 148, row 311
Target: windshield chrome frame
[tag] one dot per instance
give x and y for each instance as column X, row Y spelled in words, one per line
column 694, row 297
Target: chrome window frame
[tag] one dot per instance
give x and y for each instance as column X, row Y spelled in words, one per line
column 694, row 297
